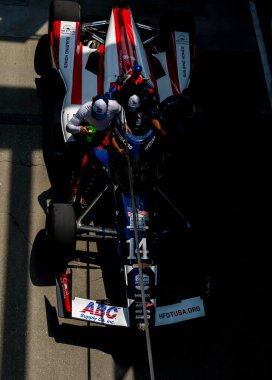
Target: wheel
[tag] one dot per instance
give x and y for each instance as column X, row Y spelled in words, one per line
column 52, row 92
column 42, row 62
column 61, row 226
column 121, row 3
column 177, row 21
column 174, row 21
column 64, row 10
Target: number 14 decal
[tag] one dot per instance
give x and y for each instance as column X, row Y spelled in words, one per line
column 133, row 251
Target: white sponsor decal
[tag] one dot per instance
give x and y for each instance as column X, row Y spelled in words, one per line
column 150, row 143
column 182, row 38
column 67, row 45
column 145, row 281
column 183, row 57
column 187, row 309
column 67, row 48
column 92, row 311
column 67, row 29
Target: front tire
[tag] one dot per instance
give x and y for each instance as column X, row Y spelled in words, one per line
column 61, row 226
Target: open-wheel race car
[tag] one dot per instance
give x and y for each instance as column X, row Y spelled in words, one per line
column 88, row 56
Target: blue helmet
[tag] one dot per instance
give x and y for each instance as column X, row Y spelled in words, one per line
column 137, row 69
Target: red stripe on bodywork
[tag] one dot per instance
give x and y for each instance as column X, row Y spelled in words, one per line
column 55, row 41
column 100, row 78
column 125, row 40
column 76, row 96
column 171, row 56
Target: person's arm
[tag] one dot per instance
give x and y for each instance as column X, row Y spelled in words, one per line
column 118, row 107
column 116, row 145
column 128, row 130
column 74, row 125
column 156, row 123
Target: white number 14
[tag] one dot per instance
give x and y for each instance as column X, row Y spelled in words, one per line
column 133, row 251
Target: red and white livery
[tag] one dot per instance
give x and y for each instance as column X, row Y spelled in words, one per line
column 90, row 56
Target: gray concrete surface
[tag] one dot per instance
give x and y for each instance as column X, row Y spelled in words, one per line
column 33, row 344
column 28, row 351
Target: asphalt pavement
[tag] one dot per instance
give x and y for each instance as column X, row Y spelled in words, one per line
column 221, row 181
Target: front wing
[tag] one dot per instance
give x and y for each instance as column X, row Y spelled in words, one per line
column 101, row 313
column 92, row 311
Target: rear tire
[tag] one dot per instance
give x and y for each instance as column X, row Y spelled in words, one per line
column 64, row 10
column 178, row 21
column 174, row 21
column 42, row 62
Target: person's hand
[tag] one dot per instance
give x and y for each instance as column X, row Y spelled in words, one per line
column 163, row 133
column 116, row 146
column 121, row 150
column 83, row 130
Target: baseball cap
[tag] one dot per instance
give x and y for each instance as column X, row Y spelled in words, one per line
column 99, row 109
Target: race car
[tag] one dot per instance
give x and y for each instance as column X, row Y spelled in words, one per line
column 88, row 57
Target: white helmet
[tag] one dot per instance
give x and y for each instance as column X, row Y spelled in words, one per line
column 134, row 103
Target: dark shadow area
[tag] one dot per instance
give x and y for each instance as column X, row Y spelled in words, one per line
column 199, row 349
column 234, row 155
column 15, row 271
column 44, row 197
column 233, row 195
column 24, row 100
column 51, row 91
column 42, row 255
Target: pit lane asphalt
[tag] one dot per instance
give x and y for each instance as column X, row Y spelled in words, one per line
column 225, row 187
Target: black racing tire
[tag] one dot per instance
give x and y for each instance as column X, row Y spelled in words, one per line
column 179, row 21
column 42, row 62
column 121, row 3
column 61, row 226
column 64, row 10
column 175, row 21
